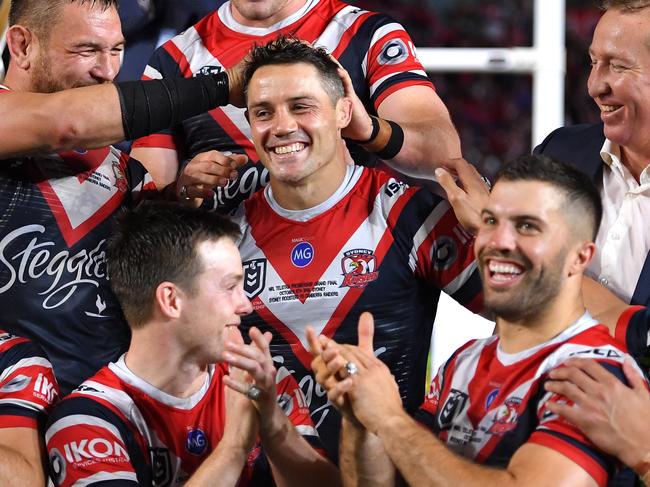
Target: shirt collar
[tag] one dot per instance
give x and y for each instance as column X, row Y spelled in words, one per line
column 610, row 153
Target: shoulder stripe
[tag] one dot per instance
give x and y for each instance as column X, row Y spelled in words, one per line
column 22, row 402
column 81, row 419
column 106, row 476
column 26, row 362
column 425, row 230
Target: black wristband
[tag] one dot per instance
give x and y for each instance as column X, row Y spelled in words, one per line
column 153, row 105
column 373, row 134
column 395, row 142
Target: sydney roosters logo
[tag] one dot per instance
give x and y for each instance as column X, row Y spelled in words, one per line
column 506, row 416
column 359, row 268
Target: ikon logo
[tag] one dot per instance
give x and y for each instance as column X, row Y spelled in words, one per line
column 43, row 387
column 97, row 448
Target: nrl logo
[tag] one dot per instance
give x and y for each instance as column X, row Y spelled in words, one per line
column 359, row 268
column 254, row 277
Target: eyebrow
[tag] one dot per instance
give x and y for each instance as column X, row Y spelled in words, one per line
column 292, row 99
column 95, row 45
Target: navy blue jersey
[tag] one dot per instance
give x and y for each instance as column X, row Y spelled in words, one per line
column 56, row 216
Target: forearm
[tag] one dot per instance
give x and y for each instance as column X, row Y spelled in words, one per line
column 82, row 117
column 427, row 145
column 292, row 459
column 222, row 467
column 96, row 116
column 429, row 463
column 17, row 471
column 363, row 460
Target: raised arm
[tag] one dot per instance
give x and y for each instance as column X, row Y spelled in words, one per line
column 96, row 116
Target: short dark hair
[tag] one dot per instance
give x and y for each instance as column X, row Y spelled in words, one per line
column 154, row 243
column 623, row 4
column 580, row 192
column 40, row 15
column 288, row 50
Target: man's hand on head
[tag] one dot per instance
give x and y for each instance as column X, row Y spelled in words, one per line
column 467, row 195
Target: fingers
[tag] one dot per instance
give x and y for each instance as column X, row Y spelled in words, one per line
column 635, row 379
column 235, row 385
column 448, row 183
column 314, row 345
column 567, row 389
column 366, row 332
column 570, row 413
column 207, row 170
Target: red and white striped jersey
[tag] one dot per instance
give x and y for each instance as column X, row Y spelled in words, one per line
column 485, row 403
column 28, row 388
column 375, row 245
column 373, row 48
column 117, row 427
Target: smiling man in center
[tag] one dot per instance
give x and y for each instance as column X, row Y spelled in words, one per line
column 326, row 240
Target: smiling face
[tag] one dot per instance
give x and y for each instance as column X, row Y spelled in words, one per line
column 217, row 303
column 82, row 48
column 619, row 81
column 296, row 126
column 523, row 248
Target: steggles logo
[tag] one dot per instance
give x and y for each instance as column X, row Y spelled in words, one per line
column 37, row 261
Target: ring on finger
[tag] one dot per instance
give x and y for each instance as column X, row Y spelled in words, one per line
column 183, row 193
column 351, row 368
column 253, row 393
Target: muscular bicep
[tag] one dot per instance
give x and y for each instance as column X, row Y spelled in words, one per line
column 161, row 163
column 21, row 457
column 414, row 104
column 539, row 466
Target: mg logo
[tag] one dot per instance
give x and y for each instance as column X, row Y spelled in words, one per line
column 254, row 277
column 302, row 254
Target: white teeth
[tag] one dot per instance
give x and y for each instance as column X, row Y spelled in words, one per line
column 609, row 108
column 286, row 149
column 504, row 268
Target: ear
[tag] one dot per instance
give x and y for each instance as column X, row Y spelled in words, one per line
column 169, row 299
column 343, row 112
column 582, row 258
column 22, row 45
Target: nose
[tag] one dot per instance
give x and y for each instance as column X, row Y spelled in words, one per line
column 598, row 82
column 284, row 122
column 106, row 67
column 503, row 237
column 244, row 306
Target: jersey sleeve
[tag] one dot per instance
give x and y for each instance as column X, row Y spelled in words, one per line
column 558, row 434
column 633, row 331
column 28, row 388
column 165, row 62
column 443, row 252
column 87, row 444
column 292, row 401
column 392, row 63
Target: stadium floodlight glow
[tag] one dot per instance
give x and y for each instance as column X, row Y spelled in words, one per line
column 546, row 61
